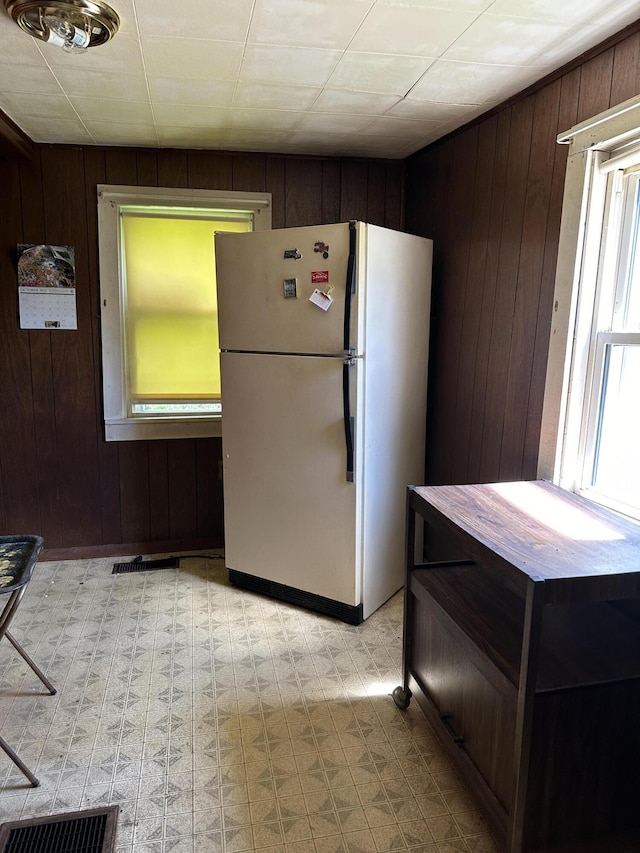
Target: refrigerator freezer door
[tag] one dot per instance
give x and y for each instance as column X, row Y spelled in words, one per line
column 290, row 515
column 264, row 289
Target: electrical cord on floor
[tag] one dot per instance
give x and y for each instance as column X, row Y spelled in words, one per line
column 140, row 558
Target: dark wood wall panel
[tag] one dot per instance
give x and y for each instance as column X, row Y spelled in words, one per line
column 394, row 196
column 479, row 211
column 495, row 211
column 276, row 184
column 454, row 268
column 495, row 426
column 354, row 184
column 18, row 447
column 527, row 297
column 72, row 354
column 158, row 455
column 625, row 82
column 330, row 191
column 303, row 193
column 42, row 370
column 58, row 476
column 490, row 196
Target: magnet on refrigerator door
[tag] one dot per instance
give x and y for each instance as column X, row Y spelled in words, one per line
column 290, row 286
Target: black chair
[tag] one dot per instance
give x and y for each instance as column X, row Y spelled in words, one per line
column 18, row 556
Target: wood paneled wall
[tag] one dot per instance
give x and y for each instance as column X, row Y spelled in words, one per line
column 491, row 199
column 58, row 477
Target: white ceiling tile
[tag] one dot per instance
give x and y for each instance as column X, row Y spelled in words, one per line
column 381, row 146
column 271, row 64
column 121, row 56
column 191, row 58
column 265, row 96
column 427, row 139
column 410, row 30
column 191, row 137
column 505, row 41
column 330, row 144
column 202, row 93
column 448, row 126
column 451, row 5
column 358, row 103
column 378, row 72
column 177, row 114
column 613, row 16
column 116, row 133
column 59, row 130
column 256, row 139
column 321, row 23
column 471, row 83
column 219, row 20
column 17, row 45
column 28, row 78
column 355, row 77
column 44, row 106
column 125, row 11
column 575, row 42
column 330, row 124
column 431, row 110
column 569, row 11
column 97, row 84
column 403, row 128
column 265, row 119
column 103, row 109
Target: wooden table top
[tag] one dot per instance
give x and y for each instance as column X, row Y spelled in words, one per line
column 546, row 533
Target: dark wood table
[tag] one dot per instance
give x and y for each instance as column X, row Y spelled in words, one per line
column 522, row 646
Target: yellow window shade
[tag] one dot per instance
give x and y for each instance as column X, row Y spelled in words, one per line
column 171, row 318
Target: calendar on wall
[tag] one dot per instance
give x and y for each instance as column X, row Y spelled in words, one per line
column 47, row 287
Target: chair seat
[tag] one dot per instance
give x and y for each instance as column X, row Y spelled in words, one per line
column 18, row 556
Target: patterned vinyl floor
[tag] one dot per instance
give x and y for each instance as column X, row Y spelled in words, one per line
column 221, row 721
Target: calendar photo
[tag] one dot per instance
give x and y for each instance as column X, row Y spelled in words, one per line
column 47, row 287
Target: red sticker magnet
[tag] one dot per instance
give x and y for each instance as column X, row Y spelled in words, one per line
column 320, row 277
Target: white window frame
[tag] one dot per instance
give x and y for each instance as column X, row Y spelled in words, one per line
column 119, row 425
column 597, row 147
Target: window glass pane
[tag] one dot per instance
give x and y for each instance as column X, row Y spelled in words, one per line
column 631, row 320
column 616, row 469
column 171, row 322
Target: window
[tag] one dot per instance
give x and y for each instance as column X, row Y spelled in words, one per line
column 161, row 374
column 592, row 405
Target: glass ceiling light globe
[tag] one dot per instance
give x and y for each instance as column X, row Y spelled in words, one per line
column 73, row 25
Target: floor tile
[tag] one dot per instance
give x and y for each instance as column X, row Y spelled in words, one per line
column 220, row 721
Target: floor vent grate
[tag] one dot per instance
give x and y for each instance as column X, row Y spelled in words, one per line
column 90, row 831
column 143, row 566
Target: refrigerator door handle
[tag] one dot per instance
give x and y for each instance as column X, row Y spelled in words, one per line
column 350, row 285
column 348, row 419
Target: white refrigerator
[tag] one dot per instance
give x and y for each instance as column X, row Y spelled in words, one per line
column 324, row 349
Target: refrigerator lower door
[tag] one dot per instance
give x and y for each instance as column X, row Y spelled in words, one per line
column 290, row 513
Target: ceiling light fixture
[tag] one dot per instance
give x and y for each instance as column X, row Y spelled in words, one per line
column 73, row 25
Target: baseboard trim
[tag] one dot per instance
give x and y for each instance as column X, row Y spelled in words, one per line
column 164, row 546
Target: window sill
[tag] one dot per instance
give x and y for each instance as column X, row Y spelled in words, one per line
column 144, row 429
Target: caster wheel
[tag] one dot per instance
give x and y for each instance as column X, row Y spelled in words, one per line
column 401, row 697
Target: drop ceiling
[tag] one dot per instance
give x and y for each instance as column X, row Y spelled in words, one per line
column 371, row 78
